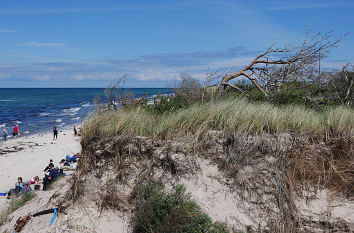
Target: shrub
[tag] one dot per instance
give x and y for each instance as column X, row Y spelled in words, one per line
column 163, row 103
column 15, row 204
column 294, row 92
column 175, row 212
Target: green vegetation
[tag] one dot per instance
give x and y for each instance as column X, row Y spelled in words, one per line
column 228, row 114
column 15, row 204
column 175, row 212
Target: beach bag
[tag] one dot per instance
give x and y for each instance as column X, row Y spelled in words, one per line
column 21, row 222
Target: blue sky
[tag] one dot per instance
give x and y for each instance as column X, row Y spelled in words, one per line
column 85, row 43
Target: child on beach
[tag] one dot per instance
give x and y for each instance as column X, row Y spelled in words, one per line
column 4, row 133
column 15, row 133
column 55, row 132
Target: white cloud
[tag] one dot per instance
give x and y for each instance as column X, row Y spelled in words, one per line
column 7, row 30
column 39, row 44
column 298, row 5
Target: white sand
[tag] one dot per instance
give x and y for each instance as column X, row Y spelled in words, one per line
column 36, row 151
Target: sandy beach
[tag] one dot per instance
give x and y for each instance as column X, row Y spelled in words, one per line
column 27, row 156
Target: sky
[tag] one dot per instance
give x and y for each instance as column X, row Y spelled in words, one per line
column 84, row 43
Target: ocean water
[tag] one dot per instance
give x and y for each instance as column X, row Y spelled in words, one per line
column 37, row 110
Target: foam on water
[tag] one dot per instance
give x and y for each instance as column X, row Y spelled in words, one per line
column 70, row 111
column 61, row 125
column 58, row 120
column 86, row 105
column 44, row 114
column 73, row 110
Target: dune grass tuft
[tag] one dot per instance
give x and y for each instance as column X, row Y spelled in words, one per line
column 175, row 212
column 226, row 115
column 15, row 204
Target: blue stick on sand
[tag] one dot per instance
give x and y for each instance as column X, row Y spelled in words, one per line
column 55, row 214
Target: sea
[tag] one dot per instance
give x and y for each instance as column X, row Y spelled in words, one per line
column 37, row 110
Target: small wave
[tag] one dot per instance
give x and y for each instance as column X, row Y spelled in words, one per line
column 26, row 132
column 75, row 118
column 72, row 109
column 86, row 105
column 44, row 114
column 58, row 120
column 2, row 125
column 18, row 122
column 62, row 124
column 7, row 100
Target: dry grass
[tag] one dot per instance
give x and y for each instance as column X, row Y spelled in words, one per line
column 227, row 115
column 319, row 165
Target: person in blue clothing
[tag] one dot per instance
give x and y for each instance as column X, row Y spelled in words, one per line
column 53, row 175
column 55, row 132
column 17, row 189
column 72, row 159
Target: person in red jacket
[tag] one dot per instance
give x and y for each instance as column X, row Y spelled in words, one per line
column 15, row 133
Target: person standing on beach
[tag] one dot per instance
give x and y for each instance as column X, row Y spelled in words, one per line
column 4, row 133
column 55, row 132
column 75, row 131
column 15, row 133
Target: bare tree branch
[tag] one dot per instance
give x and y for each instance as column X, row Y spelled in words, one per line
column 283, row 62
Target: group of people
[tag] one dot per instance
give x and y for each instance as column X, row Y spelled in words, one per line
column 55, row 132
column 22, row 187
column 4, row 132
column 52, row 173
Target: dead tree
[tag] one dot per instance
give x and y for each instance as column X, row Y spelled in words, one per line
column 282, row 63
column 343, row 84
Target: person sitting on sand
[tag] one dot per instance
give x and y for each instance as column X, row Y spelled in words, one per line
column 65, row 165
column 15, row 133
column 4, row 133
column 61, row 165
column 26, row 188
column 55, row 132
column 18, row 187
column 34, row 180
column 47, row 169
column 53, row 175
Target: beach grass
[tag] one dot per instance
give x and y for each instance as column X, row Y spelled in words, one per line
column 15, row 204
column 231, row 114
column 175, row 211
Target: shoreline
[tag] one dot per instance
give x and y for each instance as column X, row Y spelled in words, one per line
column 28, row 133
column 27, row 156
